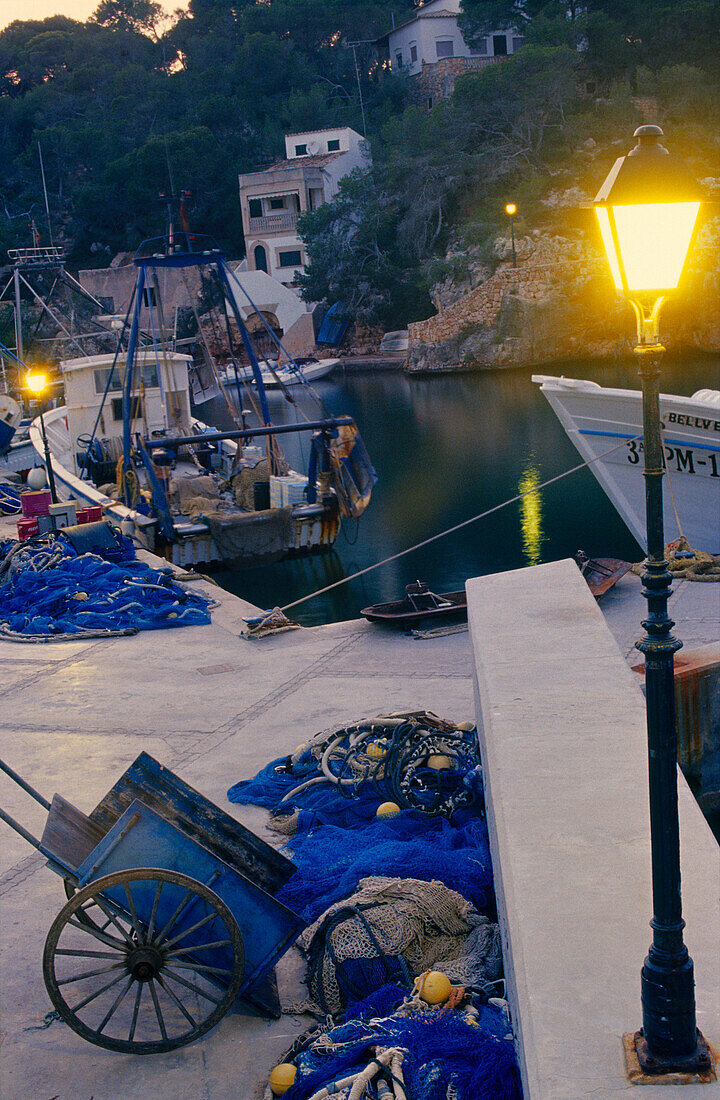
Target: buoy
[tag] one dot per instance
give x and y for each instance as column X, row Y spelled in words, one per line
column 37, row 478
column 438, row 762
column 376, row 749
column 282, row 1078
column 434, row 987
column 465, row 727
column 387, row 809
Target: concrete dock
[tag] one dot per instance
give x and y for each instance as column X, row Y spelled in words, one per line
column 214, row 707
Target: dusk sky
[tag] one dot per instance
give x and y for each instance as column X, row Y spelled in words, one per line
column 41, row 9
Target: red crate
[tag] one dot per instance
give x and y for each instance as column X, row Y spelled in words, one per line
column 26, row 528
column 35, row 502
column 91, row 514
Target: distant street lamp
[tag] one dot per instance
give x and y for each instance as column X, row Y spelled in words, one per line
column 647, row 210
column 511, row 211
column 36, row 382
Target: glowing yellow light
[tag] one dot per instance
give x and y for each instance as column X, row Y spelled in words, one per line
column 531, row 516
column 653, row 240
column 36, row 381
column 510, row 209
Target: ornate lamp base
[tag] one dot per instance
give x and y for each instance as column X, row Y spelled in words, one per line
column 643, row 1068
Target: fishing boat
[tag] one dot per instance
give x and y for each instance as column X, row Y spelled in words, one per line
column 274, row 376
column 418, row 605
column 126, row 439
column 606, row 426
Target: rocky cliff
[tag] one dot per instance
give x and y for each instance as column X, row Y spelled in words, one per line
column 559, row 303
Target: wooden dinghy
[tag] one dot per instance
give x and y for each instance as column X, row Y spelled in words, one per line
column 601, row 573
column 419, row 605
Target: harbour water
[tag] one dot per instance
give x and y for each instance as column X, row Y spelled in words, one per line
column 448, row 447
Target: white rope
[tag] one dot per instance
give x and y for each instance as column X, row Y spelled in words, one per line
column 458, row 526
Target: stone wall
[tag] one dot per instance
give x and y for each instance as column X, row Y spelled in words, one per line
column 560, row 303
column 437, row 78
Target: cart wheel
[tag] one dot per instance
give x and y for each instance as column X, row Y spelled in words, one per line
column 148, row 959
column 70, row 892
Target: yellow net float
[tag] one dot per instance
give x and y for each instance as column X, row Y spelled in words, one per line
column 387, row 809
column 434, row 987
column 376, row 749
column 282, row 1078
column 438, row 762
column 465, row 726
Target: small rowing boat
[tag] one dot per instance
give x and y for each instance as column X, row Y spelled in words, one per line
column 419, row 604
column 601, row 573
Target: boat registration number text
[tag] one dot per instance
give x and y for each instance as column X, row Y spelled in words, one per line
column 683, row 460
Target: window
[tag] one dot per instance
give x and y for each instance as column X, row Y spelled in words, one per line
column 480, row 48
column 255, row 207
column 260, row 255
column 517, row 42
column 136, row 408
column 413, row 53
column 499, row 45
column 398, row 59
column 445, row 47
column 334, row 145
column 290, row 259
column 149, row 296
column 300, row 150
column 149, row 378
column 277, row 204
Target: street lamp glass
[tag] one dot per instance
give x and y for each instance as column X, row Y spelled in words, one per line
column 510, row 209
column 36, row 382
column 649, row 242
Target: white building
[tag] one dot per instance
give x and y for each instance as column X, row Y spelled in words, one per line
column 432, row 36
column 271, row 200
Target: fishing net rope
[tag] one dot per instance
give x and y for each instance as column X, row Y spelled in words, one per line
column 389, row 929
column 409, row 1051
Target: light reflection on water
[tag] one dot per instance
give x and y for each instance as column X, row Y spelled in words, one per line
column 531, row 515
column 447, row 447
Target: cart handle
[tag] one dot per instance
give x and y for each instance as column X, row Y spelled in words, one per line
column 25, row 786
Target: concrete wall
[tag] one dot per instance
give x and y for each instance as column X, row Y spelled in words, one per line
column 562, row 724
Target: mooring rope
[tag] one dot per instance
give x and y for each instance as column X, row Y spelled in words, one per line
column 459, row 526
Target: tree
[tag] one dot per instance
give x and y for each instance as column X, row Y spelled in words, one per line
column 141, row 16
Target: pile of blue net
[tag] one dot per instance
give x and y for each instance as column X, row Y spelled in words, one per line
column 325, row 798
column 331, row 860
column 50, row 591
column 442, row 1051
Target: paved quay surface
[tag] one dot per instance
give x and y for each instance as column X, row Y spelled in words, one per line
column 213, row 707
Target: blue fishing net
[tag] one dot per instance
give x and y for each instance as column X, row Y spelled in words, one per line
column 84, row 592
column 441, row 1050
column 331, row 860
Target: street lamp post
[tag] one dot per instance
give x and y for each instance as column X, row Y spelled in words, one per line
column 36, row 382
column 511, row 211
column 647, row 210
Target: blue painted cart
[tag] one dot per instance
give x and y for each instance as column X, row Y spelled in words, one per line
column 171, row 919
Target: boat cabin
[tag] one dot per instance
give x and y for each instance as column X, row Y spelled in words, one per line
column 160, row 400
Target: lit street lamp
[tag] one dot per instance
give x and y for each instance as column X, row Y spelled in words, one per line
column 36, row 382
column 511, row 211
column 647, row 210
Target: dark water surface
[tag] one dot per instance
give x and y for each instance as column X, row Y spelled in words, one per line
column 447, row 448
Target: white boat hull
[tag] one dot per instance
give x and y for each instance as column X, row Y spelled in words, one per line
column 599, row 420
column 288, row 376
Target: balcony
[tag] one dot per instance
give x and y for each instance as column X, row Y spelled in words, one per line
column 274, row 223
